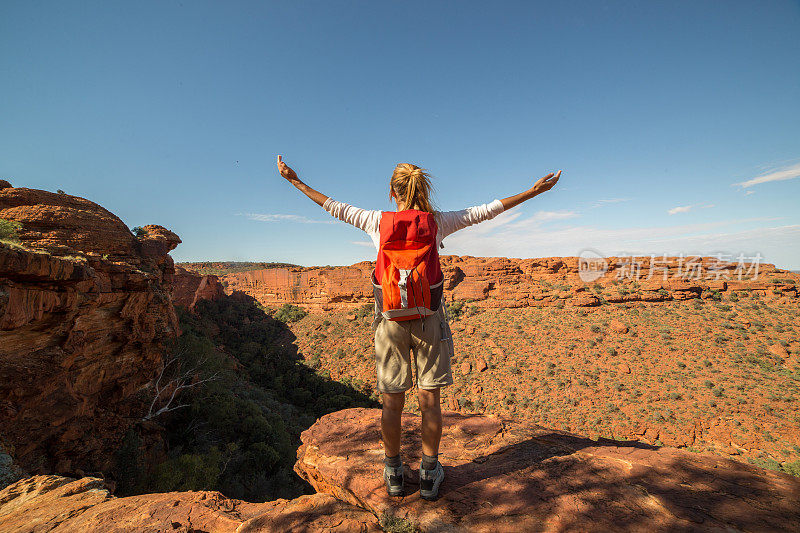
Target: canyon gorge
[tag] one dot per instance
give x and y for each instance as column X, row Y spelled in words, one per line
column 87, row 312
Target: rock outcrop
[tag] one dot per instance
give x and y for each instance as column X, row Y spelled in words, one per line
column 191, row 287
column 502, row 282
column 84, row 310
column 55, row 503
column 504, row 475
column 501, row 476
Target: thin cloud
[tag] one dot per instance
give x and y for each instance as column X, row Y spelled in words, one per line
column 605, row 201
column 366, row 244
column 774, row 243
column 786, row 173
column 542, row 216
column 687, row 208
column 274, row 217
column 676, row 210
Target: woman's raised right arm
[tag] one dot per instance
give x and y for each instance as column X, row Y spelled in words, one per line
column 368, row 221
column 291, row 177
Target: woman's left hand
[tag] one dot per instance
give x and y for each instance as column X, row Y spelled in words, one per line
column 546, row 183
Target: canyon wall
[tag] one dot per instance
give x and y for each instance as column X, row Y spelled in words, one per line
column 85, row 307
column 503, row 282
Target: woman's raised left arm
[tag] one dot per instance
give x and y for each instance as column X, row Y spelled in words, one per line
column 544, row 184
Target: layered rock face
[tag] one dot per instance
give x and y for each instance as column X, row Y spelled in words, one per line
column 502, row 282
column 84, row 309
column 509, row 476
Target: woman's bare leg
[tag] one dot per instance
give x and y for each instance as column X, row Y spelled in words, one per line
column 431, row 421
column 390, row 421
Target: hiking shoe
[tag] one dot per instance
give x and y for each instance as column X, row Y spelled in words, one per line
column 393, row 477
column 429, row 481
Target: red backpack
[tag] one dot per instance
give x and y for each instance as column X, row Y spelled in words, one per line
column 407, row 280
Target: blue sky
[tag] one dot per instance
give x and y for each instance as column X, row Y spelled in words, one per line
column 661, row 115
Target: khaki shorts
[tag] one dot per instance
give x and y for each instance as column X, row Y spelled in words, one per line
column 398, row 342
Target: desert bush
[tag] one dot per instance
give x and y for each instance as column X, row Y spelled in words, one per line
column 138, row 231
column 394, row 524
column 290, row 313
column 365, row 310
column 455, row 309
column 9, row 229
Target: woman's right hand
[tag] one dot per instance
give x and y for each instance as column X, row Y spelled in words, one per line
column 286, row 171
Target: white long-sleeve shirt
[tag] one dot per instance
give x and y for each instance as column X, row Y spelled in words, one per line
column 447, row 221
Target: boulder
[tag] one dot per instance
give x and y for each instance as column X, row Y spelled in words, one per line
column 617, row 327
column 778, row 350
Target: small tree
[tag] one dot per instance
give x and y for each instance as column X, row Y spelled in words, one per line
column 139, row 231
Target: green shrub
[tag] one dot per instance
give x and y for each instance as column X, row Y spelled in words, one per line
column 129, row 466
column 455, row 310
column 394, row 524
column 138, row 231
column 9, row 229
column 792, row 468
column 290, row 313
column 365, row 310
column 188, row 472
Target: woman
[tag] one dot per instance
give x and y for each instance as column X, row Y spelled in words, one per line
column 419, row 329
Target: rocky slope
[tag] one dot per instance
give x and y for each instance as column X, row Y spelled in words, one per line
column 501, row 475
column 84, row 309
column 510, row 283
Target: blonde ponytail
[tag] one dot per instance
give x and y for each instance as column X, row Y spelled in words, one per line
column 413, row 185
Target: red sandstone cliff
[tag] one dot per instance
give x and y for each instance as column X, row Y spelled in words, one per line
column 502, row 282
column 191, row 287
column 84, row 309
